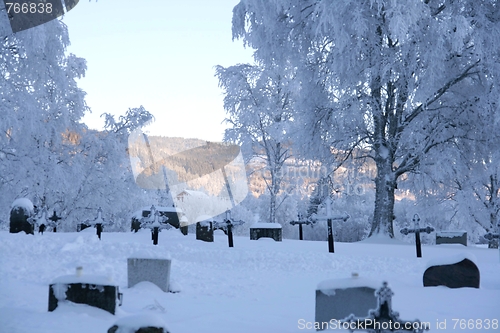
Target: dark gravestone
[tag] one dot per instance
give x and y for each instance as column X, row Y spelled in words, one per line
column 205, row 231
column 135, row 225
column 451, row 237
column 20, row 213
column 93, row 291
column 141, row 323
column 82, row 226
column 148, row 329
column 338, row 298
column 269, row 230
column 457, row 275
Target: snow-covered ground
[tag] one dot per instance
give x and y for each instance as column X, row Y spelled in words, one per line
column 257, row 286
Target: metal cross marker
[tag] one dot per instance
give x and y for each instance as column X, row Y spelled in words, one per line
column 155, row 222
column 54, row 218
column 383, row 318
column 227, row 226
column 329, row 218
column 417, row 230
column 491, row 236
column 300, row 222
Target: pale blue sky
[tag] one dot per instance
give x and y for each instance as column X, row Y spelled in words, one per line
column 160, row 54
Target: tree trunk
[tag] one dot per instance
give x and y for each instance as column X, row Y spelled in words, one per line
column 385, row 184
column 272, row 208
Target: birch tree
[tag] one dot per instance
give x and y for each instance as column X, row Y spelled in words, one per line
column 259, row 108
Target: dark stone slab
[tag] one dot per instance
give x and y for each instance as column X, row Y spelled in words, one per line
column 339, row 298
column 458, row 275
column 139, row 323
column 149, row 329
column 100, row 296
column 274, row 233
column 204, row 231
column 19, row 221
column 451, row 237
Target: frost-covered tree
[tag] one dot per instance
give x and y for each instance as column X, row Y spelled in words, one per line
column 259, row 107
column 398, row 79
column 41, row 106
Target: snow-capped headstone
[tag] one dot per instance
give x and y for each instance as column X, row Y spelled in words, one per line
column 139, row 323
column 149, row 267
column 21, row 210
column 338, row 298
column 454, row 272
column 204, row 229
column 451, row 237
column 93, row 290
column 269, row 230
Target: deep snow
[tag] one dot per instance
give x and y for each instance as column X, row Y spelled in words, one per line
column 257, row 286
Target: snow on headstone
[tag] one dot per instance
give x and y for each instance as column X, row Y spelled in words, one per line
column 146, row 322
column 21, row 210
column 339, row 298
column 149, row 267
column 93, row 290
column 456, row 271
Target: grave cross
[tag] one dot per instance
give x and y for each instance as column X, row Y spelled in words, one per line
column 300, row 222
column 227, row 225
column 153, row 222
column 383, row 318
column 491, row 236
column 54, row 218
column 40, row 220
column 417, row 230
column 329, row 218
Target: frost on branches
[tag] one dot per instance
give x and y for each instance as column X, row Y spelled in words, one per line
column 401, row 81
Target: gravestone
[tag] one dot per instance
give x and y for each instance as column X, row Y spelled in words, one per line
column 97, row 291
column 455, row 272
column 21, row 210
column 338, row 298
column 451, row 237
column 383, row 318
column 144, row 267
column 270, row 230
column 205, row 231
column 140, row 323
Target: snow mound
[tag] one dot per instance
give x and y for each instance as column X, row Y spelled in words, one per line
column 264, row 225
column 450, row 260
column 133, row 323
column 150, row 254
column 382, row 239
column 327, row 287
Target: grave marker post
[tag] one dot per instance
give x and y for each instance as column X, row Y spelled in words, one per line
column 417, row 230
column 300, row 222
column 54, row 218
column 329, row 218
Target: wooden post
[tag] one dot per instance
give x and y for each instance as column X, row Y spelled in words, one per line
column 300, row 232
column 229, row 234
column 330, row 228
